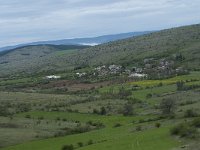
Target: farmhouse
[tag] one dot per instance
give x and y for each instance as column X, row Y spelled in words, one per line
column 81, row 74
column 115, row 68
column 53, row 77
column 137, row 75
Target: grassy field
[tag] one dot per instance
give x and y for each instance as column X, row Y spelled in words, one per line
column 124, row 137
column 42, row 126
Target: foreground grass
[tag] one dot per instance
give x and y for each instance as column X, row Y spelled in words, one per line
column 108, row 138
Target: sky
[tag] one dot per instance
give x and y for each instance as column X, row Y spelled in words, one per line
column 23, row 21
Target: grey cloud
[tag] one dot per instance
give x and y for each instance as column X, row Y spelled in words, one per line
column 30, row 20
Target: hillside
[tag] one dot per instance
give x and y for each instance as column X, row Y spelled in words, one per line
column 184, row 40
column 31, row 59
column 128, row 52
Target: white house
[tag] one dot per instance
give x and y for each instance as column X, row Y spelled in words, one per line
column 137, row 75
column 53, row 77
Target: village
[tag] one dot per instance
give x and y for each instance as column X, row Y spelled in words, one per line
column 152, row 68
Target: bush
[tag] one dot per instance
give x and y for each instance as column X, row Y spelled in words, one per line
column 157, row 125
column 124, row 93
column 149, row 95
column 117, row 125
column 180, row 85
column 80, row 144
column 168, row 106
column 190, row 113
column 95, row 111
column 138, row 128
column 184, row 130
column 103, row 111
column 196, row 122
column 68, row 147
column 28, row 116
column 128, row 109
column 90, row 142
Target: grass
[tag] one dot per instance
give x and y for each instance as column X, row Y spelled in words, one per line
column 150, row 83
column 109, row 121
column 110, row 138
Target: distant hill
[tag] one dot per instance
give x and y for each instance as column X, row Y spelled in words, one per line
column 128, row 52
column 83, row 41
column 29, row 59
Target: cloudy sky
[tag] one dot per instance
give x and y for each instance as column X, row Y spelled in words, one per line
column 24, row 21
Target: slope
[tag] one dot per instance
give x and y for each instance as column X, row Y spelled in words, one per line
column 128, row 52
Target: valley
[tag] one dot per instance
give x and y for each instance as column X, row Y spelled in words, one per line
column 140, row 93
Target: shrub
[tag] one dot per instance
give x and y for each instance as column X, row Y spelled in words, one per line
column 168, row 106
column 128, row 109
column 149, row 95
column 190, row 113
column 40, row 118
column 180, row 85
column 68, row 147
column 58, row 118
column 28, row 116
column 90, row 142
column 117, row 125
column 64, row 119
column 157, row 125
column 103, row 111
column 142, row 121
column 184, row 130
column 138, row 128
column 80, row 144
column 124, row 93
column 196, row 122
column 95, row 111
column 160, row 84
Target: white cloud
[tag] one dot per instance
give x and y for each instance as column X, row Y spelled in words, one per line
column 29, row 20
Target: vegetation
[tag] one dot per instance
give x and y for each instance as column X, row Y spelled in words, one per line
column 93, row 111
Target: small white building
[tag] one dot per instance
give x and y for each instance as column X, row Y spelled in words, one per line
column 137, row 75
column 114, row 68
column 53, row 77
column 81, row 74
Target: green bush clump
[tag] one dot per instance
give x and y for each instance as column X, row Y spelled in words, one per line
column 196, row 122
column 68, row 147
column 157, row 124
column 117, row 125
column 184, row 130
column 80, row 144
column 190, row 113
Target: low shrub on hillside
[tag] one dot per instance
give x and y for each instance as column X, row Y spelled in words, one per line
column 157, row 125
column 80, row 144
column 185, row 129
column 117, row 125
column 138, row 128
column 90, row 142
column 196, row 122
column 128, row 109
column 68, row 147
column 190, row 113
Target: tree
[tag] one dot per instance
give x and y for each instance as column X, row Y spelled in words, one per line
column 103, row 111
column 180, row 85
column 128, row 109
column 168, row 106
column 123, row 93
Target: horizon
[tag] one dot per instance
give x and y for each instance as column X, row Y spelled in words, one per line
column 89, row 44
column 66, row 19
